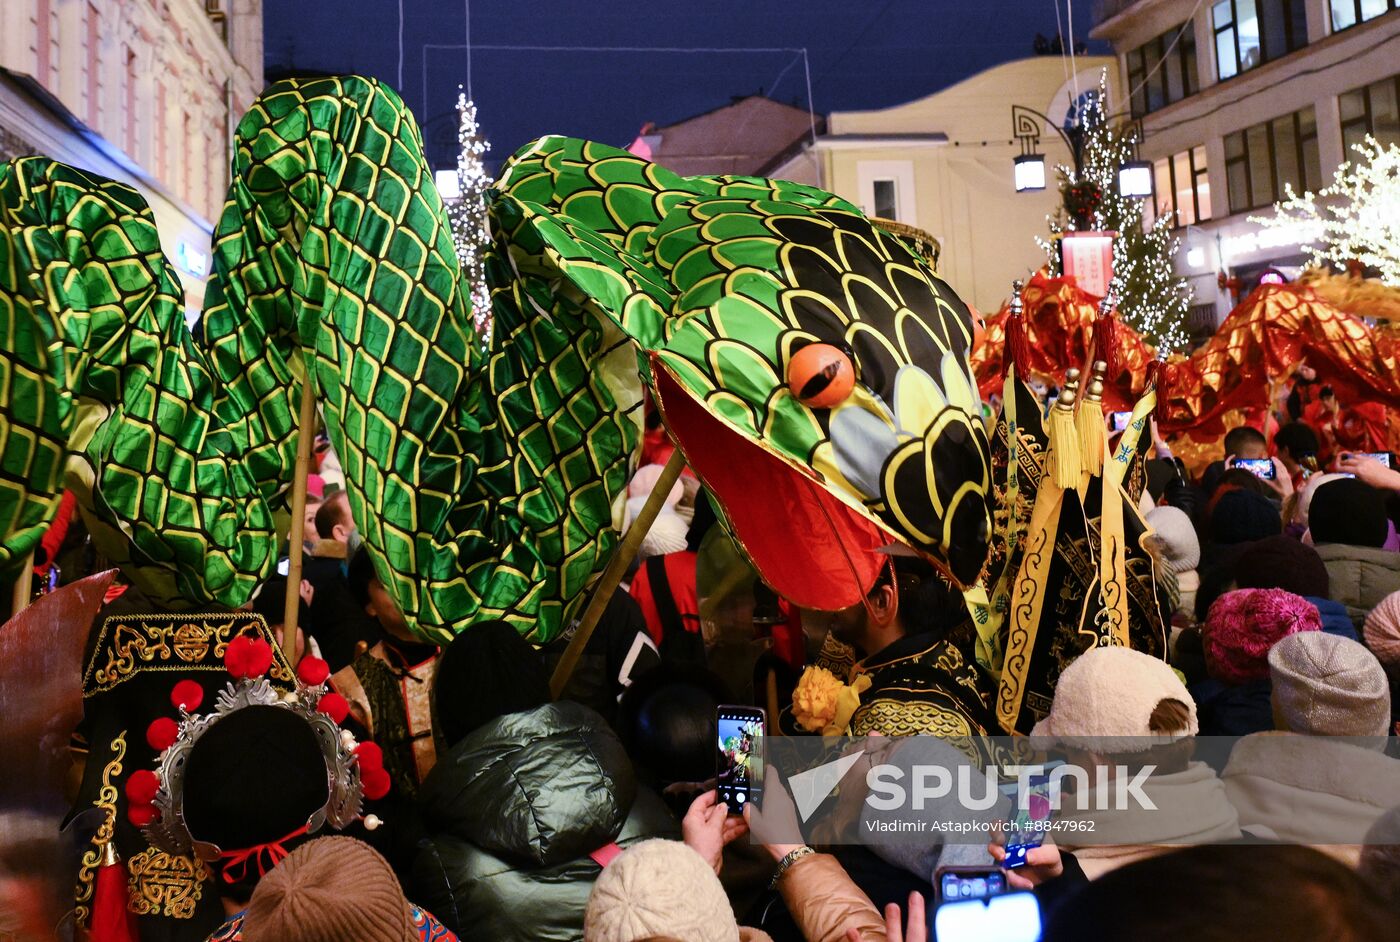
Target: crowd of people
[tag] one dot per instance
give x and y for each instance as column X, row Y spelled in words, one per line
column 512, row 815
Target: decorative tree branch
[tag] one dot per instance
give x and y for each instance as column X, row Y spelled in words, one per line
column 470, row 229
column 1154, row 299
column 1357, row 217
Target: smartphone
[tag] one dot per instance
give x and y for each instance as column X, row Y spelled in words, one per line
column 959, row 883
column 740, row 769
column 1262, row 468
column 1010, row 917
column 283, row 567
column 1119, row 421
column 1028, row 822
column 1382, row 456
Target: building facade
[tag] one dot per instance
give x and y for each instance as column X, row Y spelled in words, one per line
column 943, row 164
column 147, row 92
column 1239, row 98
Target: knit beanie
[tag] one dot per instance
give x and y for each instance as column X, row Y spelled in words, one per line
column 1281, row 562
column 1181, row 550
column 1327, row 685
column 1242, row 516
column 659, row 888
column 487, row 671
column 1382, row 633
column 330, row 890
column 644, row 482
column 1350, row 512
column 1107, row 695
column 1243, row 625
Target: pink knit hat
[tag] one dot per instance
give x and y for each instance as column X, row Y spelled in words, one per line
column 1382, row 633
column 1243, row 625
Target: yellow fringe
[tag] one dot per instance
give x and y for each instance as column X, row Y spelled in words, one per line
column 1066, row 464
column 1089, row 420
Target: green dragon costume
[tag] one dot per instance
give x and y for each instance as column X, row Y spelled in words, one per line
column 486, row 484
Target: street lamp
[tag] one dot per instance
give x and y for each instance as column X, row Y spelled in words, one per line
column 1135, row 180
column 1030, row 172
column 1134, row 177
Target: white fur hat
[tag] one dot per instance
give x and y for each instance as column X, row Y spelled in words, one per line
column 1105, row 698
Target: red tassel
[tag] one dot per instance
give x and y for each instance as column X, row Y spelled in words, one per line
column 1106, row 345
column 111, row 920
column 1017, row 351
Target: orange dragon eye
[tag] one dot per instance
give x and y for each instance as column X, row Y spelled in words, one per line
column 821, row 375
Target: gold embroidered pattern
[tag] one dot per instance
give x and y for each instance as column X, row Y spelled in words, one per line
column 164, row 884
column 92, row 858
column 131, row 644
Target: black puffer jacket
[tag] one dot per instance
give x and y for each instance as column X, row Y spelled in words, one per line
column 515, row 809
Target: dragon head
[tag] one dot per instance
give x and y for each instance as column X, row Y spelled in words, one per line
column 810, row 365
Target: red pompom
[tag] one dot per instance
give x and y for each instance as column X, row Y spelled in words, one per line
column 162, row 733
column 141, row 787
column 259, row 657
column 370, row 755
column 375, row 783
column 187, row 695
column 313, row 671
column 141, row 815
column 236, row 656
column 335, row 706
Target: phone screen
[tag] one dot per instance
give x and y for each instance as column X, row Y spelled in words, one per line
column 1120, row 421
column 1011, row 917
column 1382, row 456
column 971, row 883
column 1026, row 826
column 740, row 778
column 1261, row 468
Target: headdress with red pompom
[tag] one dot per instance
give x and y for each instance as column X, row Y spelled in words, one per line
column 355, row 770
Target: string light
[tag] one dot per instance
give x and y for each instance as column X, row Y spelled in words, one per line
column 1360, row 218
column 1154, row 300
column 470, row 230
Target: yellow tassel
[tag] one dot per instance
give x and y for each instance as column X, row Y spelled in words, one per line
column 1089, row 420
column 1065, row 462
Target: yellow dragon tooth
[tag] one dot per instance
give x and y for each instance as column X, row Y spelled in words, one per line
column 956, row 385
column 917, row 400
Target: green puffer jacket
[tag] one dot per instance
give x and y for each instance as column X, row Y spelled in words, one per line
column 515, row 810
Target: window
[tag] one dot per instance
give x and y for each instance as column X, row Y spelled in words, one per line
column 1372, row 109
column 1350, row 12
column 1163, row 70
column 1251, row 32
column 886, row 205
column 1261, row 160
column 1183, row 188
column 886, row 189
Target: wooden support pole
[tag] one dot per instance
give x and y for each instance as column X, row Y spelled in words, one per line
column 306, row 434
column 24, row 585
column 612, row 574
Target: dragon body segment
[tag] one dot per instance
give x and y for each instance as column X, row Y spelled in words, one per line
column 812, row 367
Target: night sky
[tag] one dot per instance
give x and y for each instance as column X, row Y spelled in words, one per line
column 863, row 54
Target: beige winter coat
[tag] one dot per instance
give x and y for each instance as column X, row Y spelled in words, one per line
column 1191, row 808
column 1310, row 789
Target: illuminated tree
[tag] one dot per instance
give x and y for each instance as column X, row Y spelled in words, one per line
column 1153, row 299
column 470, row 231
column 1357, row 217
